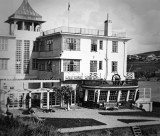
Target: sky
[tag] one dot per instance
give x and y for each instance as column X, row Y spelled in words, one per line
column 139, row 18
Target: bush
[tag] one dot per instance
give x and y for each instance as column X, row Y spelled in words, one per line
column 20, row 127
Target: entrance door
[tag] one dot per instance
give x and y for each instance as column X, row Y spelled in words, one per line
column 35, row 102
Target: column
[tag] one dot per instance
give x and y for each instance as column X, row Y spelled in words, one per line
column 24, row 102
column 47, row 99
column 119, row 95
column 135, row 94
column 29, row 99
column 32, row 26
column 23, row 25
column 86, row 95
column 98, row 94
column 15, row 25
column 10, row 29
column 41, row 100
column 108, row 95
column 128, row 95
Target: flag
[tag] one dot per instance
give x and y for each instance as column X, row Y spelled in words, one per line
column 68, row 6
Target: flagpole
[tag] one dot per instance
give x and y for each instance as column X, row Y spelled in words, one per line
column 68, row 13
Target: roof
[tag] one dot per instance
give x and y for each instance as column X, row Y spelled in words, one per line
column 25, row 12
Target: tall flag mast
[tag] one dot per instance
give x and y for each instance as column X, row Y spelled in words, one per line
column 68, row 13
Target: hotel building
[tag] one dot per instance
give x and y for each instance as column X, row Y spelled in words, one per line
column 32, row 62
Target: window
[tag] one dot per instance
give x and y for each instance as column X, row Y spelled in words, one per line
column 72, row 44
column 101, row 45
column 3, row 64
column 34, row 64
column 41, row 66
column 3, row 44
column 93, row 45
column 49, row 65
column 90, row 95
column 26, row 56
column 35, row 46
column 18, row 56
column 123, row 95
column 100, row 65
column 114, row 66
column 103, row 96
column 71, row 65
column 113, row 96
column 114, row 46
column 131, row 95
column 42, row 45
column 93, row 66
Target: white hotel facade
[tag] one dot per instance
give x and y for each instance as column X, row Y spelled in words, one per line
column 32, row 62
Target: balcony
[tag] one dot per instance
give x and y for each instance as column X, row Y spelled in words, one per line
column 83, row 31
column 107, row 83
column 79, row 76
column 94, row 79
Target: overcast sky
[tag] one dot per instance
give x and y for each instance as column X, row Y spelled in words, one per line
column 139, row 18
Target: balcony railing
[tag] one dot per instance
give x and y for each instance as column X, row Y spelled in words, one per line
column 104, row 83
column 83, row 31
column 94, row 79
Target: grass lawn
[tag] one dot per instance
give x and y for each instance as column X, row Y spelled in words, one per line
column 137, row 114
column 133, row 120
column 70, row 122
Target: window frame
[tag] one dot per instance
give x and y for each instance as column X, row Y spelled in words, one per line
column 3, row 44
column 93, row 45
column 101, row 44
column 3, row 64
column 71, row 65
column 100, row 65
column 114, row 46
column 72, row 44
column 93, row 66
column 114, row 67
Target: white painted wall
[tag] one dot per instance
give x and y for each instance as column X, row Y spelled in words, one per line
column 10, row 55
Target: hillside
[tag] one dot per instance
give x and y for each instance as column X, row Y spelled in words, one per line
column 157, row 53
column 144, row 66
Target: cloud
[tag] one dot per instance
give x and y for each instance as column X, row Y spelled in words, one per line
column 140, row 18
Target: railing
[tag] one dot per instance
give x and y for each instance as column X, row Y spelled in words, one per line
column 110, row 83
column 94, row 79
column 84, row 31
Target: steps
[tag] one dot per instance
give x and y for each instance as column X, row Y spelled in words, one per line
column 137, row 131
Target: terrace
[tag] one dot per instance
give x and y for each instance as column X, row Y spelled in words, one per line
column 84, row 31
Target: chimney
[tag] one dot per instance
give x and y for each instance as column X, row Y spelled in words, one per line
column 108, row 27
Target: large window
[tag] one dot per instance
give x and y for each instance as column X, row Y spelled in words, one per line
column 131, row 95
column 3, row 44
column 93, row 45
column 115, row 46
column 123, row 95
column 71, row 65
column 26, row 56
column 93, row 66
column 18, row 56
column 103, row 96
column 3, row 64
column 72, row 44
column 90, row 95
column 114, row 66
column 113, row 96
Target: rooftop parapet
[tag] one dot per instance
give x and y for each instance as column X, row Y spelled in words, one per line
column 83, row 31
